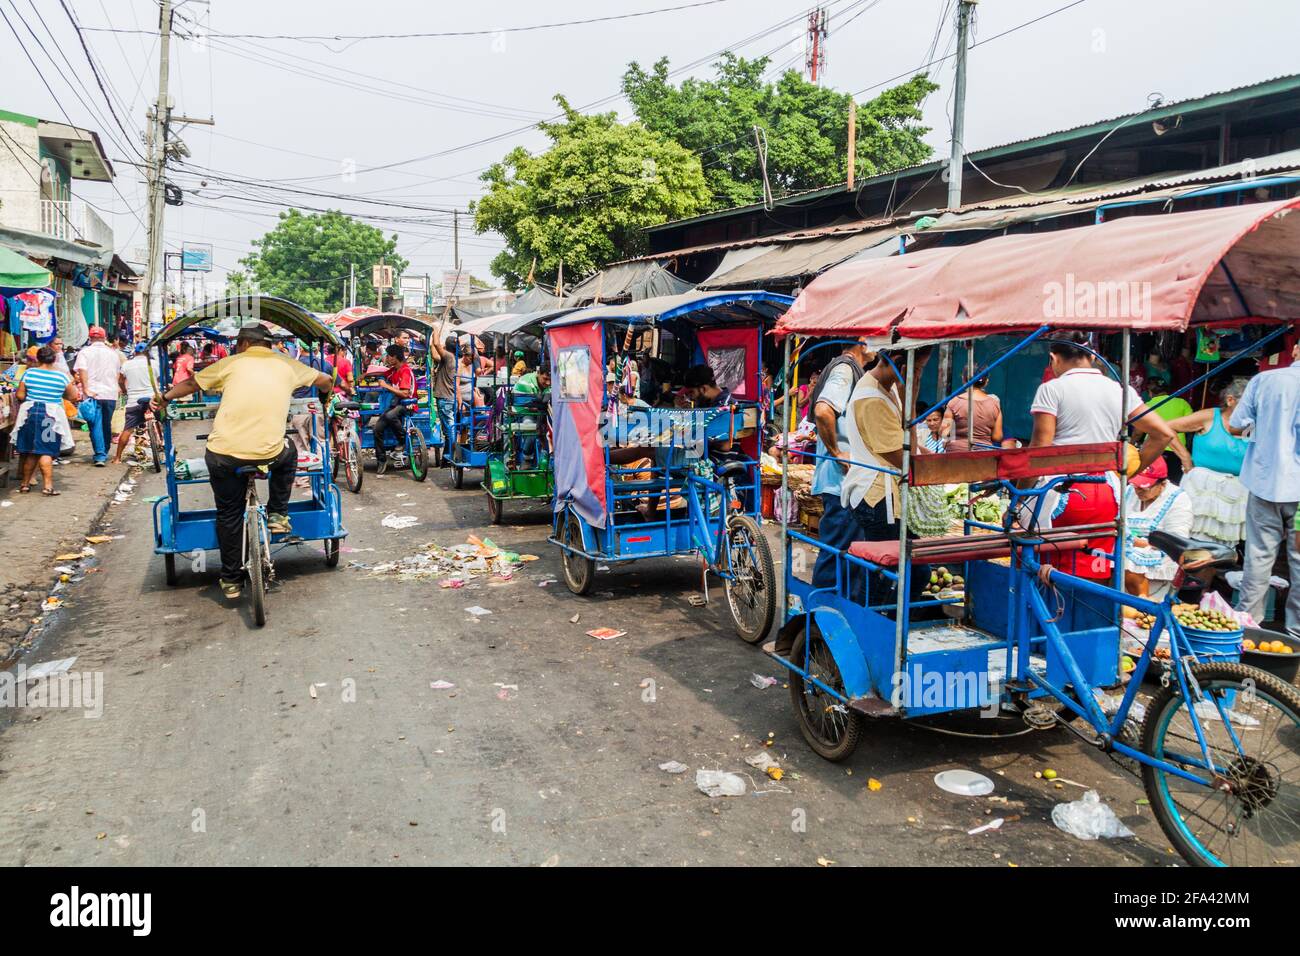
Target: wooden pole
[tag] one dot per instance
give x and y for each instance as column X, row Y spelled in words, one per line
column 853, row 139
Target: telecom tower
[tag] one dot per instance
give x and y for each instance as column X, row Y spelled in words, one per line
column 815, row 46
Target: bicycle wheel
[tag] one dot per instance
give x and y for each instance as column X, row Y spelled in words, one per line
column 457, row 477
column 829, row 727
column 353, row 472
column 496, row 508
column 255, row 565
column 579, row 572
column 337, row 453
column 331, row 552
column 419, row 455
column 156, row 453
column 751, row 593
column 1249, row 815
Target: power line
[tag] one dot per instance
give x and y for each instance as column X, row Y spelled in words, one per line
column 357, row 37
column 949, row 56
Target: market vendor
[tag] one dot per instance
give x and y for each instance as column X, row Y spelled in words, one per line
column 1081, row 405
column 1153, row 503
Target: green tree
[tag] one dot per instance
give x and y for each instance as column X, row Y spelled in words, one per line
column 806, row 126
column 305, row 258
column 587, row 198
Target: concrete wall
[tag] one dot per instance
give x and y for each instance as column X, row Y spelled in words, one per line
column 20, row 175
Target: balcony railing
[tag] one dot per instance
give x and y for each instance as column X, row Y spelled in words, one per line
column 63, row 219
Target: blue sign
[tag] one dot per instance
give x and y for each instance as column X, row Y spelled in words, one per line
column 196, row 257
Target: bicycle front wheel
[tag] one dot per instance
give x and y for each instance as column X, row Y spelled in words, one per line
column 156, row 452
column 1248, row 812
column 255, row 549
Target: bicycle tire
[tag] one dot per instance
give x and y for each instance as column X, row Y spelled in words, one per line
column 811, row 713
column 1253, row 780
column 419, row 456
column 353, row 471
column 764, row 577
column 256, row 566
column 154, row 431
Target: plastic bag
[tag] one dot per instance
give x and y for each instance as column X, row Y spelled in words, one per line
column 719, row 783
column 1089, row 819
column 1214, row 601
column 88, row 411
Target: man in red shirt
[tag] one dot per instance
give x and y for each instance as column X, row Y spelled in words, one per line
column 400, row 381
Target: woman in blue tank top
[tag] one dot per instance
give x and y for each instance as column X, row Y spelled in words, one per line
column 1218, row 497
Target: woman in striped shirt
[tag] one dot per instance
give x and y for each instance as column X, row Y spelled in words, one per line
column 42, row 426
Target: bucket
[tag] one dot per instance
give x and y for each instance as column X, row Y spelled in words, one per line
column 1219, row 645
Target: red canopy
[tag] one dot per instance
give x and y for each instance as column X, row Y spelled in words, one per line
column 1140, row 272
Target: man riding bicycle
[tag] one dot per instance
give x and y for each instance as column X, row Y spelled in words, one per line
column 399, row 381
column 256, row 385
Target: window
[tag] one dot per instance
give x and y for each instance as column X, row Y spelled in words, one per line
column 574, row 368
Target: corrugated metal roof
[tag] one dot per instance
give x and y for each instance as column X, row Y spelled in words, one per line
column 1021, row 207
column 1207, row 102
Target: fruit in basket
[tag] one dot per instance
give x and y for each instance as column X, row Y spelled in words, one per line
column 1248, row 645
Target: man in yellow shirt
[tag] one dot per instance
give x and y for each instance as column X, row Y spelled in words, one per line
column 256, row 385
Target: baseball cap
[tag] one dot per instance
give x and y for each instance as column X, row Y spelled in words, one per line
column 97, row 332
column 519, row 353
column 139, row 347
column 1154, row 472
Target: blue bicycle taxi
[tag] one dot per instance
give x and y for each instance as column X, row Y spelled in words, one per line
column 1217, row 742
column 635, row 480
column 183, row 529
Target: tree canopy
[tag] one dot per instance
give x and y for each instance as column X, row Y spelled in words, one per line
column 305, row 258
column 587, row 198
column 806, row 127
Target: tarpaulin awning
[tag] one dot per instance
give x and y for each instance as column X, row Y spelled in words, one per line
column 390, row 322
column 628, row 280
column 47, row 247
column 19, row 272
column 254, row 308
column 1149, row 272
column 794, row 260
column 752, row 303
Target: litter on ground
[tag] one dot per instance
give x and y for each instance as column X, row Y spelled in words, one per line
column 461, row 562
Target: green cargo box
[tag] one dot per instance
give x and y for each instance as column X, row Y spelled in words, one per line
column 527, row 483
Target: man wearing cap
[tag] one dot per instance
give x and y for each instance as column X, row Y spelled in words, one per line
column 256, row 385
column 98, row 368
column 520, row 366
column 1153, row 503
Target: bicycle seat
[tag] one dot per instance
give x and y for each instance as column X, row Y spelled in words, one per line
column 348, row 406
column 733, row 469
column 1182, row 549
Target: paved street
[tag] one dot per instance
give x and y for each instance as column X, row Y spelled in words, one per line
column 318, row 740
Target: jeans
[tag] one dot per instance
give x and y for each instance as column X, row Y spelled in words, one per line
column 390, row 421
column 838, row 529
column 1268, row 530
column 228, row 492
column 101, row 435
column 873, row 525
column 447, row 418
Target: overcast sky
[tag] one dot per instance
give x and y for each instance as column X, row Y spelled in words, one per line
column 1093, row 61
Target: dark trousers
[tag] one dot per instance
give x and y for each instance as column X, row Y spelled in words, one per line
column 838, row 529
column 390, row 420
column 873, row 525
column 228, row 491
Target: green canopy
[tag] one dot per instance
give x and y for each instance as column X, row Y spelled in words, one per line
column 19, row 272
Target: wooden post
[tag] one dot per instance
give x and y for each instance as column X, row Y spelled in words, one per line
column 853, row 140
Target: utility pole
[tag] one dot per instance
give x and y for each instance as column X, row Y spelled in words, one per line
column 352, row 285
column 853, row 140
column 455, row 241
column 815, row 56
column 964, row 10
column 157, row 160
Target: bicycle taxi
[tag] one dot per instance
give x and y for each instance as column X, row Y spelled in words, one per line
column 634, row 481
column 1218, row 742
column 180, row 528
column 422, row 433
column 474, row 430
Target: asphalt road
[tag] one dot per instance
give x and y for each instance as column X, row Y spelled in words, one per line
column 318, row 739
